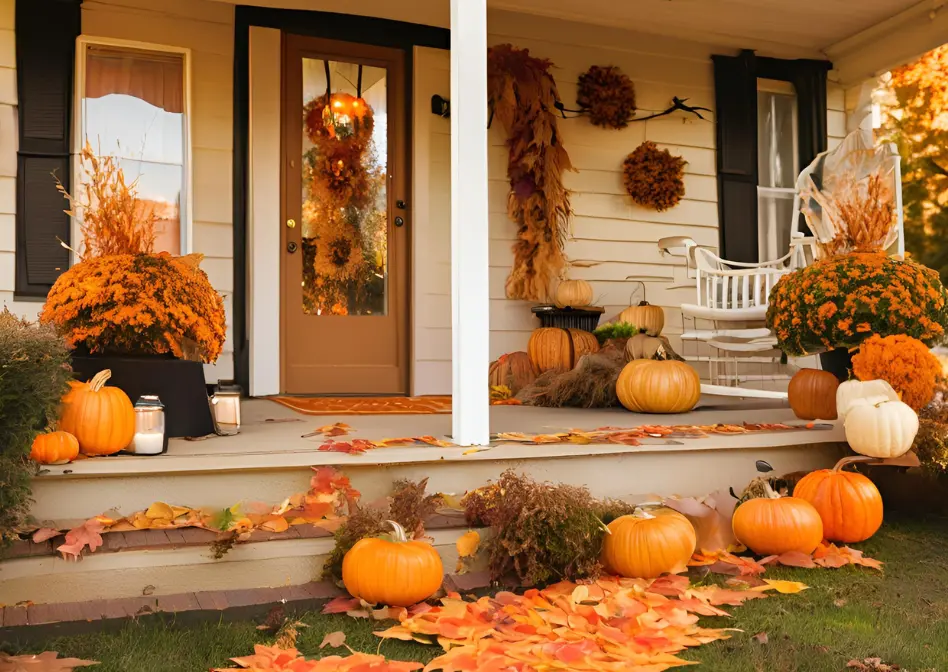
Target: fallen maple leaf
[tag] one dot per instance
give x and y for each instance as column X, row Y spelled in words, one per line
column 48, row 661
column 341, row 605
column 354, row 447
column 87, row 534
column 44, row 534
column 334, row 639
column 781, row 586
column 468, row 543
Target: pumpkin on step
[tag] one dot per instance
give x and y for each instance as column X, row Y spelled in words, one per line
column 647, row 544
column 101, row 418
column 849, row 504
column 812, row 394
column 649, row 318
column 642, row 346
column 573, row 294
column 392, row 571
column 854, row 393
column 552, row 349
column 658, row 386
column 55, row 448
column 882, row 430
column 772, row 525
column 514, row 370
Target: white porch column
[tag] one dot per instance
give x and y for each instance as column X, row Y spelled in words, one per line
column 469, row 253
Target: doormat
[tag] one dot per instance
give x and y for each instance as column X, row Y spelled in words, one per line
column 366, row 405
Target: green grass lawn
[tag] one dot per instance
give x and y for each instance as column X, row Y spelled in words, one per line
column 900, row 616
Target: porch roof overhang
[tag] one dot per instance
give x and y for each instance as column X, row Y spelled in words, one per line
column 862, row 38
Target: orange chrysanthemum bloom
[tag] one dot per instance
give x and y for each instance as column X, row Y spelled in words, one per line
column 143, row 304
column 903, row 362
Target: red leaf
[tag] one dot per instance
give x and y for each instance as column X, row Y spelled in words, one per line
column 44, row 534
column 78, row 538
column 341, row 605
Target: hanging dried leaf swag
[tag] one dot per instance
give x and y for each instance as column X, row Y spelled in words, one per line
column 607, row 95
column 653, row 177
column 522, row 97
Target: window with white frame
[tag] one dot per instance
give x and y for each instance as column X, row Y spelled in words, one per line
column 777, row 165
column 133, row 105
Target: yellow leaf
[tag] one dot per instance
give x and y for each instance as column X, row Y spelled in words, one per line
column 785, row 587
column 160, row 510
column 467, row 544
column 275, row 524
column 140, row 521
column 179, row 511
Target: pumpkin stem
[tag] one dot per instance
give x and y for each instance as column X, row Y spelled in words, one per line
column 398, row 532
column 769, row 491
column 642, row 513
column 853, row 459
column 643, row 302
column 99, row 379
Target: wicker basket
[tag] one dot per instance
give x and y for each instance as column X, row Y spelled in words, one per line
column 586, row 319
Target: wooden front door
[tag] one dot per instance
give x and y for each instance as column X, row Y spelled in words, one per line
column 344, row 299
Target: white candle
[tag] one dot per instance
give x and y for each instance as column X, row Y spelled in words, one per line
column 147, row 444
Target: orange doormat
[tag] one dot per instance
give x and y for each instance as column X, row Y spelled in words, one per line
column 366, row 405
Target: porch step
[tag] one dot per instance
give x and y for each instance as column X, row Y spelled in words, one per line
column 153, row 564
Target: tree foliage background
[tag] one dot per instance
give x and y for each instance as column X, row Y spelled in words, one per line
column 915, row 117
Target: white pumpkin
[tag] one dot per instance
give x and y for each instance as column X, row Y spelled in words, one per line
column 883, row 430
column 856, row 392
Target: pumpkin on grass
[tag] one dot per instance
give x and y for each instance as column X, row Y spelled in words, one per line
column 553, row 349
column 101, row 418
column 854, row 393
column 812, row 394
column 513, row 370
column 658, row 386
column 55, row 448
column 647, row 544
column 773, row 525
column 883, row 430
column 849, row 504
column 392, row 571
column 573, row 294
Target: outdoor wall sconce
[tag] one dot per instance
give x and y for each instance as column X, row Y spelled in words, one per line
column 440, row 106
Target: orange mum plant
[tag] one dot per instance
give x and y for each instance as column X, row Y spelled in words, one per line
column 122, row 298
column 903, row 362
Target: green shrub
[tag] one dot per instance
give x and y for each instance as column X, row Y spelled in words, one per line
column 34, row 370
column 612, row 330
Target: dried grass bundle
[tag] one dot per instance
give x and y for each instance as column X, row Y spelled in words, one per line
column 522, row 96
column 111, row 217
column 863, row 214
column 607, row 95
column 590, row 384
column 653, row 177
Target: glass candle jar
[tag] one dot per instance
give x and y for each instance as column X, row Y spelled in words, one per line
column 150, row 438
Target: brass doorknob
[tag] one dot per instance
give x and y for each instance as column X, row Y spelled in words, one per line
column 291, row 223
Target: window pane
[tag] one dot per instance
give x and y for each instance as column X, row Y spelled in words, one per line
column 774, row 216
column 776, row 139
column 159, row 193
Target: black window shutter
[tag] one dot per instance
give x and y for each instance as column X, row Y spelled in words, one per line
column 735, row 96
column 46, row 32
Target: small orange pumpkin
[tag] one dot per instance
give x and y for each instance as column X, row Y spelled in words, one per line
column 773, row 525
column 55, row 448
column 573, row 294
column 648, row 318
column 101, row 418
column 395, row 571
column 848, row 502
column 646, row 545
column 553, row 349
column 658, row 386
column 812, row 394
column 515, row 370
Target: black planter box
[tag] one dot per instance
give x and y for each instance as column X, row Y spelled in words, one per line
column 586, row 319
column 838, row 362
column 178, row 383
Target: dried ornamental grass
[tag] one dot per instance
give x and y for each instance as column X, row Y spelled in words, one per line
column 864, row 215
column 653, row 177
column 522, row 96
column 838, row 302
column 607, row 95
column 144, row 304
column 931, row 446
column 903, row 362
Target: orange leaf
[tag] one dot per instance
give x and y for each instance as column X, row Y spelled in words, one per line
column 334, row 639
column 87, row 534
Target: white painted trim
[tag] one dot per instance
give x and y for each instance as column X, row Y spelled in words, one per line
column 469, row 222
column 264, row 211
column 78, row 135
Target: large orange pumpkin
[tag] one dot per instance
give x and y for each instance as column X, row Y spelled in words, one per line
column 100, row 417
column 848, row 503
column 773, row 525
column 515, row 370
column 395, row 571
column 812, row 394
column 55, row 448
column 658, row 386
column 552, row 349
column 648, row 544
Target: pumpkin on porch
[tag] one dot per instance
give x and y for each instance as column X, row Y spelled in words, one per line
column 573, row 294
column 772, row 525
column 812, row 394
column 392, row 571
column 552, row 349
column 883, row 430
column 848, row 502
column 649, row 318
column 854, row 393
column 658, row 386
column 513, row 370
column 55, row 448
column 101, row 418
column 646, row 545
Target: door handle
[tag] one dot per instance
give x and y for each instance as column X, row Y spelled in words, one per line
column 291, row 223
column 291, row 247
column 399, row 222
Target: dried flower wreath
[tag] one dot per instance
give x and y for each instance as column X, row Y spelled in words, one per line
column 607, row 95
column 523, row 97
column 653, row 177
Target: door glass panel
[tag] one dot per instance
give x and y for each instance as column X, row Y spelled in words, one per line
column 345, row 215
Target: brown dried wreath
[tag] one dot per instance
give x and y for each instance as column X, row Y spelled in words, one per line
column 653, row 177
column 607, row 95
